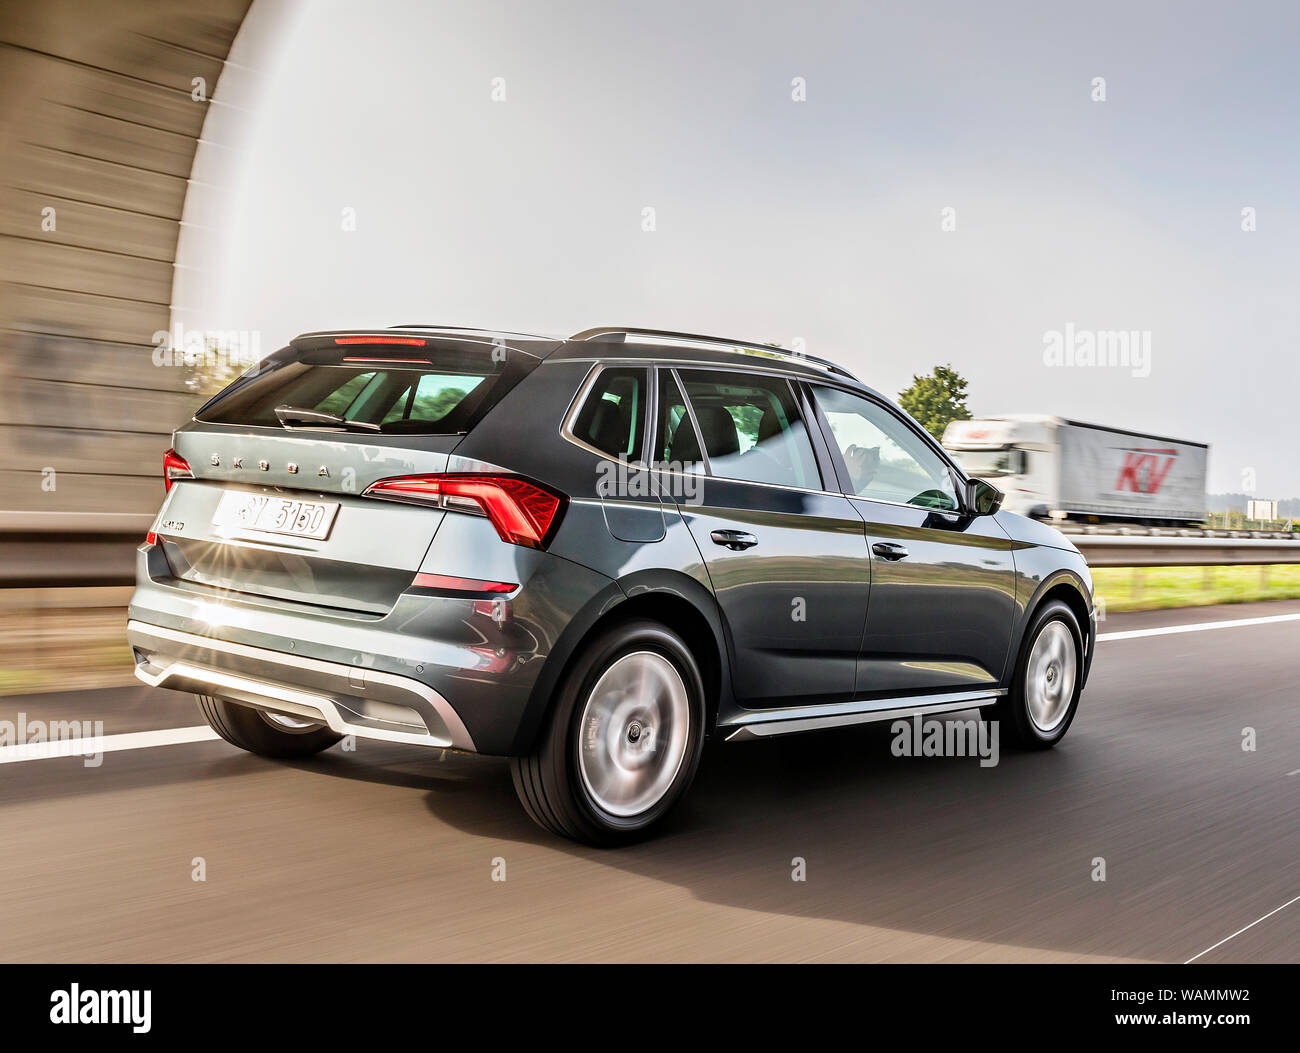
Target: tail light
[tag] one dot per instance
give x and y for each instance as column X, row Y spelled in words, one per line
column 523, row 513
column 174, row 467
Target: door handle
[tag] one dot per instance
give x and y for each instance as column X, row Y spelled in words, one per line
column 736, row 540
column 889, row 550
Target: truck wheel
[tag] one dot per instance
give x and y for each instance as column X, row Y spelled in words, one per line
column 267, row 734
column 623, row 740
column 1044, row 695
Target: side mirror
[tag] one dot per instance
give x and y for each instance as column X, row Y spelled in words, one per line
column 982, row 498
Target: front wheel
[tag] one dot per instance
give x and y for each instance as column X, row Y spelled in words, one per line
column 623, row 740
column 1044, row 695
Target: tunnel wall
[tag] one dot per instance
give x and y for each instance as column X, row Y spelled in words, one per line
column 98, row 122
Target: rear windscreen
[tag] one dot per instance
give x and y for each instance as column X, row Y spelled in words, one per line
column 399, row 396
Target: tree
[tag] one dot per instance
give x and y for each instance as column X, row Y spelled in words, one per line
column 937, row 399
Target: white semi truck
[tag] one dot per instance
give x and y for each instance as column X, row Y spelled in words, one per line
column 1049, row 467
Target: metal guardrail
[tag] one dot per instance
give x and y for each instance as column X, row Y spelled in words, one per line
column 1116, row 550
column 1137, row 546
column 41, row 549
column 1146, row 531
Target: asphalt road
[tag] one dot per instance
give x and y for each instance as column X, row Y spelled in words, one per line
column 388, row 853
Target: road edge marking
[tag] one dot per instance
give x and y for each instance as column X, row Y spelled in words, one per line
column 1196, row 627
column 96, row 744
column 1241, row 930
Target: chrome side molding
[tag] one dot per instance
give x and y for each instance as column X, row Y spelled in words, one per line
column 765, row 723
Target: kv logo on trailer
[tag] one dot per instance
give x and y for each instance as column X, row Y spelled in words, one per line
column 1144, row 470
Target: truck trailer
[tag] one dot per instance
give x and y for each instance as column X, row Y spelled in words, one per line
column 1052, row 468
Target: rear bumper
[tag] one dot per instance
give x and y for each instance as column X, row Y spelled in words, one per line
column 436, row 670
column 351, row 700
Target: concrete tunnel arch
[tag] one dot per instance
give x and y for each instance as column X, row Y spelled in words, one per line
column 100, row 126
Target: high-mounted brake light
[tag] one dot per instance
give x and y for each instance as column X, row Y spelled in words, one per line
column 174, row 467
column 522, row 512
column 391, row 361
column 403, row 341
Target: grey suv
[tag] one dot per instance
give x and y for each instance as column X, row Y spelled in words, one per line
column 588, row 555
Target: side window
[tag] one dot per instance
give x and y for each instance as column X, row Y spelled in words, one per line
column 751, row 428
column 885, row 459
column 676, row 443
column 613, row 417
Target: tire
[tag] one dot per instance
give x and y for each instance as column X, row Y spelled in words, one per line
column 265, row 734
column 612, row 760
column 1044, row 696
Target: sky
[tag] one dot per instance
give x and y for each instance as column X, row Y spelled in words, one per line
column 817, row 223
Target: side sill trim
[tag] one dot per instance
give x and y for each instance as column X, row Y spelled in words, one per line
column 761, row 724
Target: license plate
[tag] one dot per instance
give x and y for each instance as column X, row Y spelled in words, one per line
column 275, row 515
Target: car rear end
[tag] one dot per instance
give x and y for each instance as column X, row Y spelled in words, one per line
column 323, row 553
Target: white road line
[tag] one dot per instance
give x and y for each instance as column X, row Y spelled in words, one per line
column 1196, row 627
column 174, row 736
column 89, row 747
column 1241, row 930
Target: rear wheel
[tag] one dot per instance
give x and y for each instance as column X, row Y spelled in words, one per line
column 623, row 740
column 267, row 734
column 1044, row 695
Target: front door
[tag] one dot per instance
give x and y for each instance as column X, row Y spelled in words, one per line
column 942, row 582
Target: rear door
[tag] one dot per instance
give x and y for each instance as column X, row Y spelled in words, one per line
column 276, row 505
column 787, row 559
column 942, row 582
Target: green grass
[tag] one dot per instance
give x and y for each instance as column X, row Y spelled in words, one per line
column 1155, row 588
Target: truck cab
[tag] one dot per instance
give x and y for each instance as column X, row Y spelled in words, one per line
column 1017, row 454
column 1053, row 468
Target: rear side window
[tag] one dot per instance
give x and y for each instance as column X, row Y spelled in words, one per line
column 751, row 428
column 438, row 392
column 612, row 418
column 677, row 445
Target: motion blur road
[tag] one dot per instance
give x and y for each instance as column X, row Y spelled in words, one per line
column 387, row 853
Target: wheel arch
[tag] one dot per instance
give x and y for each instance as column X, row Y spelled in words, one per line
column 672, row 598
column 1070, row 588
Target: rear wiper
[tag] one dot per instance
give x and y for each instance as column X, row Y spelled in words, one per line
column 290, row 415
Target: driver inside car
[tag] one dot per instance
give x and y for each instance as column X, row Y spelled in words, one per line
column 863, row 462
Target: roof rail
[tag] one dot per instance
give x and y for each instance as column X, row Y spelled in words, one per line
column 744, row 347
column 472, row 329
